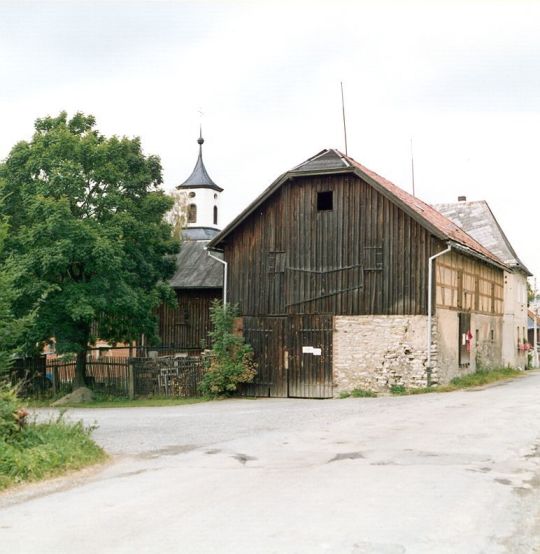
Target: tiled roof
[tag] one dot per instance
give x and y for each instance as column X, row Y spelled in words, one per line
column 477, row 219
column 447, row 227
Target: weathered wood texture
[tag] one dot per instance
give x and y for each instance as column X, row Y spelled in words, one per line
column 466, row 284
column 285, row 364
column 187, row 326
column 364, row 256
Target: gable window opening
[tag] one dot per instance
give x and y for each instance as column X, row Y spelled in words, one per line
column 325, row 201
column 215, row 215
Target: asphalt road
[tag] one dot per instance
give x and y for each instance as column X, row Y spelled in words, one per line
column 438, row 473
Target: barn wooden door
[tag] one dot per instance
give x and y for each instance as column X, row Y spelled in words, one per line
column 267, row 336
column 310, row 356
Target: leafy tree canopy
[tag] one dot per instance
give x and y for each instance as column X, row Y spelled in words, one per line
column 87, row 237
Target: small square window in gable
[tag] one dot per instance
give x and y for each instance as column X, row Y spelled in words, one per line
column 325, row 201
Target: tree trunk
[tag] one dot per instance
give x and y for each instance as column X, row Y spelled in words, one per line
column 79, row 380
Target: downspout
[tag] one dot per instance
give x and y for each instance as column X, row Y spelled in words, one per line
column 430, row 304
column 225, row 267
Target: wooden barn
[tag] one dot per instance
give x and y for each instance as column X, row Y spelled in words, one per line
column 330, row 269
column 199, row 278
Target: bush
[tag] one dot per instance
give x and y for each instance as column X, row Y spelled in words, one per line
column 231, row 359
column 9, row 406
column 34, row 451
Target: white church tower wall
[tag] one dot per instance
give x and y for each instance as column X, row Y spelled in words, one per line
column 202, row 197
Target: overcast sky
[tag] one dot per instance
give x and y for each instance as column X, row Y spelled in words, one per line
column 462, row 79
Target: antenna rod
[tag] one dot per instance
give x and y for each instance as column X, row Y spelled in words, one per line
column 412, row 169
column 344, row 124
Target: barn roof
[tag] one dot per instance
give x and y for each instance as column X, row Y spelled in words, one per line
column 477, row 219
column 195, row 269
column 332, row 161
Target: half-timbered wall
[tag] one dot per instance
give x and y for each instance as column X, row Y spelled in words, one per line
column 468, row 285
column 363, row 256
column 187, row 325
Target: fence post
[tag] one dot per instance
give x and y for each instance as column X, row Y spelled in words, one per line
column 55, row 379
column 131, row 380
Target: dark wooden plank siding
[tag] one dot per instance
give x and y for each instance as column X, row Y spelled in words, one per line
column 365, row 256
column 268, row 338
column 187, row 325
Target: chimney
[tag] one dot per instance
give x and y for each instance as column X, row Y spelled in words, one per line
column 462, row 199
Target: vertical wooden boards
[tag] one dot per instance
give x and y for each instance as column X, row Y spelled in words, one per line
column 267, row 337
column 187, row 325
column 310, row 355
column 328, row 253
column 293, row 356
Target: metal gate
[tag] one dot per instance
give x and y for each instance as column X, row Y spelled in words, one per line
column 293, row 355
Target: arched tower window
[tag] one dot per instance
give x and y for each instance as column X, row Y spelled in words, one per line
column 192, row 213
column 215, row 215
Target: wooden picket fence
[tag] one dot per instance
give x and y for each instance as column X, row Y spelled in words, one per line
column 113, row 376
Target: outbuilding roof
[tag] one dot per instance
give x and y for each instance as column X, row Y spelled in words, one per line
column 195, row 269
column 332, row 161
column 477, row 219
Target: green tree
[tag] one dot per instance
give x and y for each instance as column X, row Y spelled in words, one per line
column 87, row 235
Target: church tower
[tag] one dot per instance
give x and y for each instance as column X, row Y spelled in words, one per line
column 202, row 197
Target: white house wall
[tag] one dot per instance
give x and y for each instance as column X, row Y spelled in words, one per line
column 514, row 319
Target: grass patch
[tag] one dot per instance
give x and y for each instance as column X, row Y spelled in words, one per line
column 482, row 377
column 358, row 393
column 476, row 379
column 115, row 402
column 41, row 450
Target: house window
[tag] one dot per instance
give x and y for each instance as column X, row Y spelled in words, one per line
column 192, row 213
column 325, row 201
column 215, row 215
column 191, row 195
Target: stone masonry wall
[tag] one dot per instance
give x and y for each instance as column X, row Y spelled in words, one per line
column 376, row 352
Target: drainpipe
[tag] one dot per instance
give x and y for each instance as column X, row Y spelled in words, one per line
column 224, row 274
column 430, row 304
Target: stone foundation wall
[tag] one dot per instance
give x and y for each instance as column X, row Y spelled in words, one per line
column 376, row 352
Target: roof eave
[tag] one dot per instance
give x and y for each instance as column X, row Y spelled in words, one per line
column 466, row 250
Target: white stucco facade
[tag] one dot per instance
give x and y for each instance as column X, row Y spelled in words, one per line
column 207, row 207
column 515, row 320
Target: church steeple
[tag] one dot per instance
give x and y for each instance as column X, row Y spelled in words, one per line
column 202, row 195
column 199, row 178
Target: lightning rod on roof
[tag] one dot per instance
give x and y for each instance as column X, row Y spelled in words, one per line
column 412, row 169
column 344, row 124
